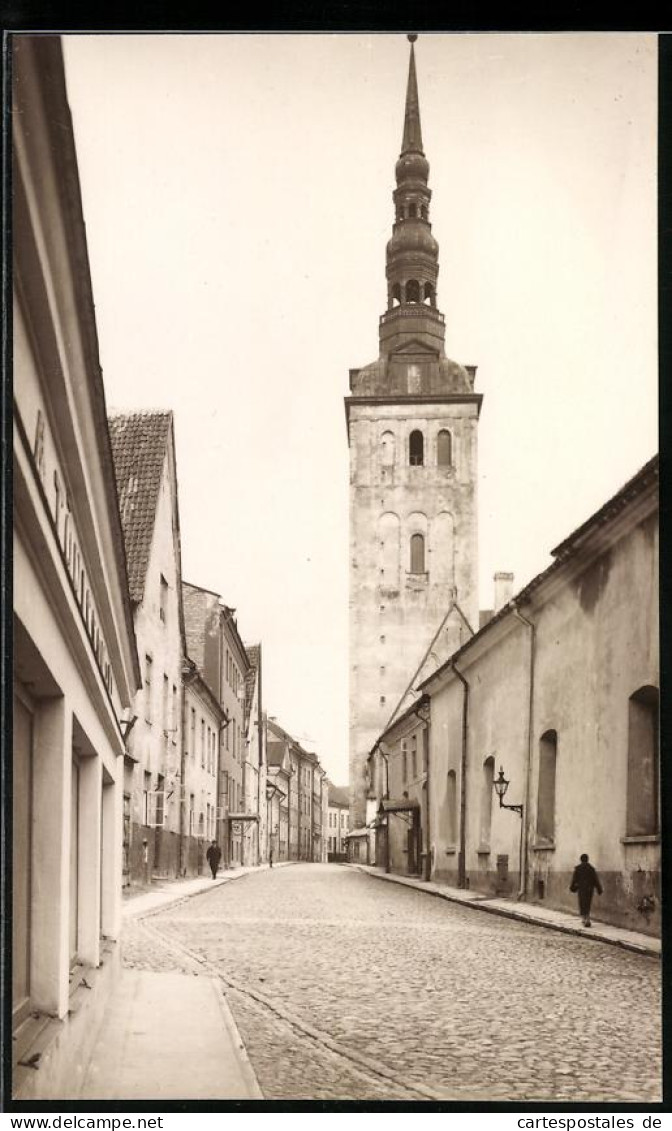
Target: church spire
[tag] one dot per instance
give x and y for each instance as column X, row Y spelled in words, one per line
column 412, row 257
column 412, row 140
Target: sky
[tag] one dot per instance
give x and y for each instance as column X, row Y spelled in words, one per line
column 237, row 194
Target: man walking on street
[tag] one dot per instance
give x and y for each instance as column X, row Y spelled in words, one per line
column 585, row 881
column 214, row 855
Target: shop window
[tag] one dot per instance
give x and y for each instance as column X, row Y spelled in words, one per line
column 22, row 826
column 643, row 763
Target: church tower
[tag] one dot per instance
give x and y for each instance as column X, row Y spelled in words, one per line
column 412, row 429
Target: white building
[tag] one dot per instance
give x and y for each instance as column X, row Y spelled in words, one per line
column 75, row 661
column 143, row 446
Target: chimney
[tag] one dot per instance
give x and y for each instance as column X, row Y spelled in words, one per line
column 503, row 590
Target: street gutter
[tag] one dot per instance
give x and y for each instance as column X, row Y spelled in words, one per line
column 494, row 906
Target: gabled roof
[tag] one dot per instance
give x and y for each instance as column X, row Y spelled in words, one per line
column 338, row 795
column 251, row 675
column 139, row 442
column 644, row 480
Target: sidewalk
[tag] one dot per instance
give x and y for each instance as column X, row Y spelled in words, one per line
column 164, row 892
column 170, row 1036
column 527, row 912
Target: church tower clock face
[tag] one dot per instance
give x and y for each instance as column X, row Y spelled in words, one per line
column 412, row 432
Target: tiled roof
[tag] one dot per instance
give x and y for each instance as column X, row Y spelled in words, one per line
column 275, row 753
column 254, row 656
column 139, row 442
column 640, row 482
column 338, row 795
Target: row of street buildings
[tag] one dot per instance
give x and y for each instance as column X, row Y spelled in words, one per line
column 139, row 727
column 489, row 749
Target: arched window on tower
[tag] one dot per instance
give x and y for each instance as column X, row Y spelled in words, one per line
column 423, row 211
column 643, row 763
column 396, row 294
column 412, row 291
column 412, row 211
column 429, row 294
column 417, row 553
column 444, row 448
column 416, row 448
column 387, row 449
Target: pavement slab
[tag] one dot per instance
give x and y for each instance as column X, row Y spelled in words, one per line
column 169, row 1036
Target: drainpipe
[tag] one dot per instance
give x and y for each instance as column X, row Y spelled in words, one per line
column 183, row 781
column 428, row 858
column 387, row 795
column 462, row 858
column 524, row 830
column 260, row 759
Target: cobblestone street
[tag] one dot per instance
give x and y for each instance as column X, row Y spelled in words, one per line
column 347, row 988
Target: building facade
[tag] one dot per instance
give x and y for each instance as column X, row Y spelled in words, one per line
column 278, row 776
column 214, row 644
column 254, row 847
column 200, row 815
column 143, row 446
column 306, row 801
column 412, row 421
column 559, row 691
column 75, row 662
column 338, row 806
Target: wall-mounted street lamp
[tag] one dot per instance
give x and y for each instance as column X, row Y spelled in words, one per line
column 500, row 786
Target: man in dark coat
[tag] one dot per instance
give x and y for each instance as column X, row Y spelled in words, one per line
column 585, row 881
column 214, row 855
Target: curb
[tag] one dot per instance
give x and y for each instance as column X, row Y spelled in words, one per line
column 247, row 1070
column 512, row 913
column 129, row 913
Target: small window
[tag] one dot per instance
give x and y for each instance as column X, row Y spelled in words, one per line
column 412, row 211
column 417, row 553
column 423, row 211
column 429, row 294
column 414, row 757
column 416, row 448
column 396, row 294
column 404, row 765
column 148, row 689
column 444, row 448
column 163, row 599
